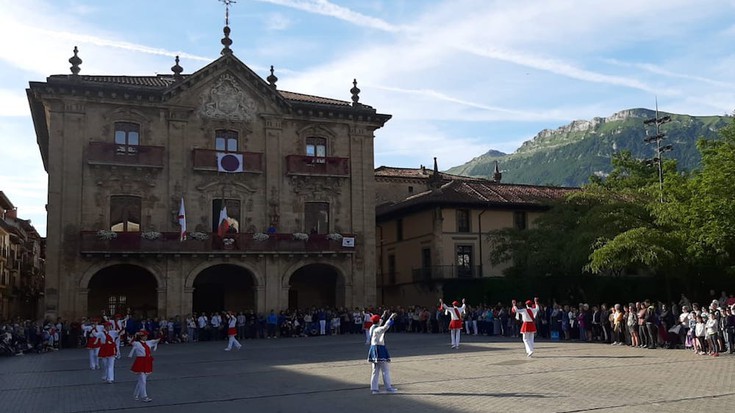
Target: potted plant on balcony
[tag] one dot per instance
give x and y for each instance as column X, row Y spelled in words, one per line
column 228, row 243
column 334, row 236
column 106, row 235
column 150, row 235
column 259, row 236
column 301, row 236
column 199, row 236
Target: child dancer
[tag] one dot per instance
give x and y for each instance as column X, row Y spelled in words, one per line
column 143, row 364
column 232, row 331
column 378, row 354
column 108, row 351
column 455, row 326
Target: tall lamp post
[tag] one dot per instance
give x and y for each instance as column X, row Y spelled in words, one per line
column 657, row 138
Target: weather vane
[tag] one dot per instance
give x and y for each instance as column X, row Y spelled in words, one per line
column 227, row 10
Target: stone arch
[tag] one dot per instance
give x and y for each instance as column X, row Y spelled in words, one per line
column 94, row 269
column 315, row 283
column 192, row 275
column 122, row 287
column 223, row 286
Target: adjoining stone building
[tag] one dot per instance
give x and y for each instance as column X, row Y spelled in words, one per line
column 21, row 265
column 432, row 227
column 123, row 152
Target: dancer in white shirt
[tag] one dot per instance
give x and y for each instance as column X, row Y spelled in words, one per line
column 231, row 321
column 528, row 328
column 455, row 325
column 108, row 351
column 143, row 364
column 378, row 355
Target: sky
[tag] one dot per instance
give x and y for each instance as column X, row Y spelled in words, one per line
column 460, row 77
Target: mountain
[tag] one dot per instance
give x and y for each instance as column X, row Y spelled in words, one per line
column 569, row 155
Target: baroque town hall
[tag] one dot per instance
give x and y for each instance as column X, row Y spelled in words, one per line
column 291, row 175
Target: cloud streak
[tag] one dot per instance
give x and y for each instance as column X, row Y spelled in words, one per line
column 326, row 8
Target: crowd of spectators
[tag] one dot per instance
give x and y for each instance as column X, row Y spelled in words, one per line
column 705, row 329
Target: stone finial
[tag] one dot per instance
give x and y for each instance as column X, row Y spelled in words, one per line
column 355, row 93
column 75, row 62
column 226, row 41
column 497, row 176
column 272, row 79
column 177, row 69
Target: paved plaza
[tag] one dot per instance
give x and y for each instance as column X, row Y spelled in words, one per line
column 330, row 375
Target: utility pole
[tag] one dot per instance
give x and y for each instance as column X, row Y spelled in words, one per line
column 657, row 138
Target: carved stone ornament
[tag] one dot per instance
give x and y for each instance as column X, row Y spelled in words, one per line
column 227, row 100
column 320, row 186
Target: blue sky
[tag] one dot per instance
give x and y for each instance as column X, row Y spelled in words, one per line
column 460, row 77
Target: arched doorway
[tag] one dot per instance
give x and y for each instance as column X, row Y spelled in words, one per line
column 121, row 287
column 317, row 285
column 224, row 287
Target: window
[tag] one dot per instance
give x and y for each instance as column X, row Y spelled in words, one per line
column 399, row 230
column 463, row 220
column 116, row 304
column 225, row 141
column 519, row 220
column 410, row 189
column 316, row 217
column 233, row 214
column 316, row 147
column 464, row 260
column 127, row 138
column 125, row 213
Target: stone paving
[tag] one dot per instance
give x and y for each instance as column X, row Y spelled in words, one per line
column 330, row 375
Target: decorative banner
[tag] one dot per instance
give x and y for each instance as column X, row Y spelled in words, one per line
column 348, row 242
column 229, row 162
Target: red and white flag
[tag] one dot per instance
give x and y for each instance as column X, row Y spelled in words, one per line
column 182, row 220
column 224, row 223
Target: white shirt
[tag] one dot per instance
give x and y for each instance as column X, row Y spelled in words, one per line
column 139, row 351
column 202, row 320
column 450, row 310
column 377, row 333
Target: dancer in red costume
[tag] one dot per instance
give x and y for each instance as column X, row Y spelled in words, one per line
column 528, row 328
column 143, row 364
column 108, row 351
column 455, row 326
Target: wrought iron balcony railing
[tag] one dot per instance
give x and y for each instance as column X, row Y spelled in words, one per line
column 239, row 243
column 108, row 153
column 206, row 160
column 317, row 165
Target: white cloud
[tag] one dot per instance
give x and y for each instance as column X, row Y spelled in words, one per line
column 277, row 21
column 326, row 8
column 13, row 103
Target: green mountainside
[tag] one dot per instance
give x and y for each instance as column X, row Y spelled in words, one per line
column 569, row 155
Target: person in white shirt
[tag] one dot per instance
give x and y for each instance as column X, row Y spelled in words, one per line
column 143, row 364
column 378, row 355
column 216, row 322
column 202, row 323
column 455, row 325
column 231, row 321
column 528, row 328
column 108, row 351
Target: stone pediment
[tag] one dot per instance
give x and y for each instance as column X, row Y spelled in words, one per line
column 226, row 99
column 227, row 89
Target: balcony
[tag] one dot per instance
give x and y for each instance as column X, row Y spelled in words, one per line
column 242, row 243
column 445, row 272
column 206, row 160
column 315, row 165
column 108, row 153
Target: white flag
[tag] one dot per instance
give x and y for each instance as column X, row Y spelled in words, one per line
column 348, row 241
column 182, row 221
column 229, row 162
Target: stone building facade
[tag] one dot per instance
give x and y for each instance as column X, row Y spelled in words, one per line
column 294, row 173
